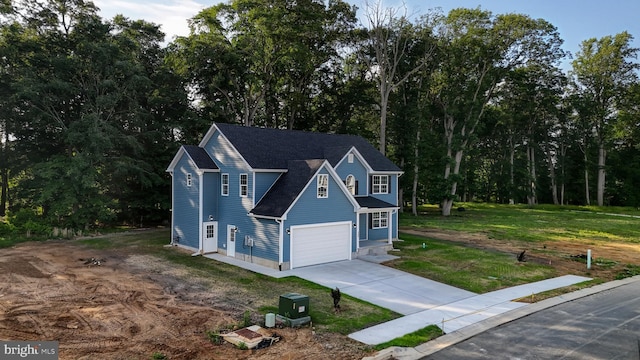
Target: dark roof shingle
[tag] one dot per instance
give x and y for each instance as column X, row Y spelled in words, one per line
column 267, row 148
column 287, row 188
column 200, row 157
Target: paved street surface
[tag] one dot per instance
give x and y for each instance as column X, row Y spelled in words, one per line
column 605, row 325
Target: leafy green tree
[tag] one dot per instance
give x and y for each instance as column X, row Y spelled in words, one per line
column 260, row 62
column 92, row 95
column 603, row 71
column 480, row 50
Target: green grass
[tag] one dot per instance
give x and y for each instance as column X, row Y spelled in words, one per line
column 414, row 339
column 588, row 224
column 258, row 293
column 467, row 268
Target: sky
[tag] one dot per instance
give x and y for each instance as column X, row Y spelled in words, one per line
column 576, row 20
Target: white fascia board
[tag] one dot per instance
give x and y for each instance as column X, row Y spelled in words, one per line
column 175, row 160
column 271, row 170
column 359, row 156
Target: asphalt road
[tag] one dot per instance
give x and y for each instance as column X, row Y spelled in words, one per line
column 605, row 325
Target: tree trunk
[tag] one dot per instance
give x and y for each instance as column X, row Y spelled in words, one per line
column 512, row 185
column 416, row 168
column 552, row 173
column 586, row 180
column 531, row 159
column 602, row 157
column 384, row 98
column 447, row 203
column 4, row 172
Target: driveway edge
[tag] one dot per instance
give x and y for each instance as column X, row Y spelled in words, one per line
column 444, row 341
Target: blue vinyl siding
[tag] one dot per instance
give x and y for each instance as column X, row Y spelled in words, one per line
column 264, row 181
column 211, row 190
column 358, row 170
column 266, row 239
column 233, row 209
column 311, row 210
column 185, row 203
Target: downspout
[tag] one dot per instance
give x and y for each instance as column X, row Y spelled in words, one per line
column 357, row 231
column 173, row 199
column 200, row 203
column 280, row 243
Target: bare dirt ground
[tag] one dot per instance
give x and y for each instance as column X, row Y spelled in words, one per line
column 128, row 307
column 558, row 254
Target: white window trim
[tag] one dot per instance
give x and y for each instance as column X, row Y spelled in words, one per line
column 380, row 187
column 382, row 220
column 322, row 190
column 224, row 185
column 246, row 186
column 350, row 158
column 352, row 188
column 189, row 180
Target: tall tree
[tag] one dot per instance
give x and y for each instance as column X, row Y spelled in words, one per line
column 258, row 62
column 603, row 71
column 390, row 41
column 480, row 50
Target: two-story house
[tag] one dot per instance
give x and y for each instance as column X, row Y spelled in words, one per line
column 282, row 198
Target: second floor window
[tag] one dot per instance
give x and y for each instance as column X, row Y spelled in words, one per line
column 244, row 185
column 351, row 184
column 380, row 184
column 189, row 181
column 323, row 186
column 224, row 185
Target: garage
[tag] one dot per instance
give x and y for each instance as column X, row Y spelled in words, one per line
column 320, row 243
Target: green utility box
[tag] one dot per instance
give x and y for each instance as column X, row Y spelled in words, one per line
column 293, row 306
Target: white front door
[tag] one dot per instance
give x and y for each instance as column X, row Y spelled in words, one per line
column 210, row 236
column 231, row 240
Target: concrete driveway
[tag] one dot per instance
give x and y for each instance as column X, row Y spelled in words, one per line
column 393, row 289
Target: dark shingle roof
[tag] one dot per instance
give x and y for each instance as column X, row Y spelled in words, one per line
column 266, row 148
column 286, row 189
column 200, row 157
column 372, row 203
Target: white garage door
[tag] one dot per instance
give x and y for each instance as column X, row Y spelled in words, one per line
column 321, row 243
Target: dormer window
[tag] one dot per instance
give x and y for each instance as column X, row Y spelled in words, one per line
column 323, row 186
column 351, row 184
column 380, row 184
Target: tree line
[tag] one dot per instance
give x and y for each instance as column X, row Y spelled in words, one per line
column 473, row 106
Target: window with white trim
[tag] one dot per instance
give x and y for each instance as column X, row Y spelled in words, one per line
column 224, row 185
column 189, row 180
column 380, row 184
column 379, row 220
column 244, row 185
column 323, row 186
column 350, row 158
column 351, row 184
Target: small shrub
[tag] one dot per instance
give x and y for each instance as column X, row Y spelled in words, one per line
column 246, row 319
column 629, row 271
column 159, row 356
column 215, row 337
column 7, row 229
column 242, row 346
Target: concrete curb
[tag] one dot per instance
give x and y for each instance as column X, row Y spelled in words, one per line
column 444, row 341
